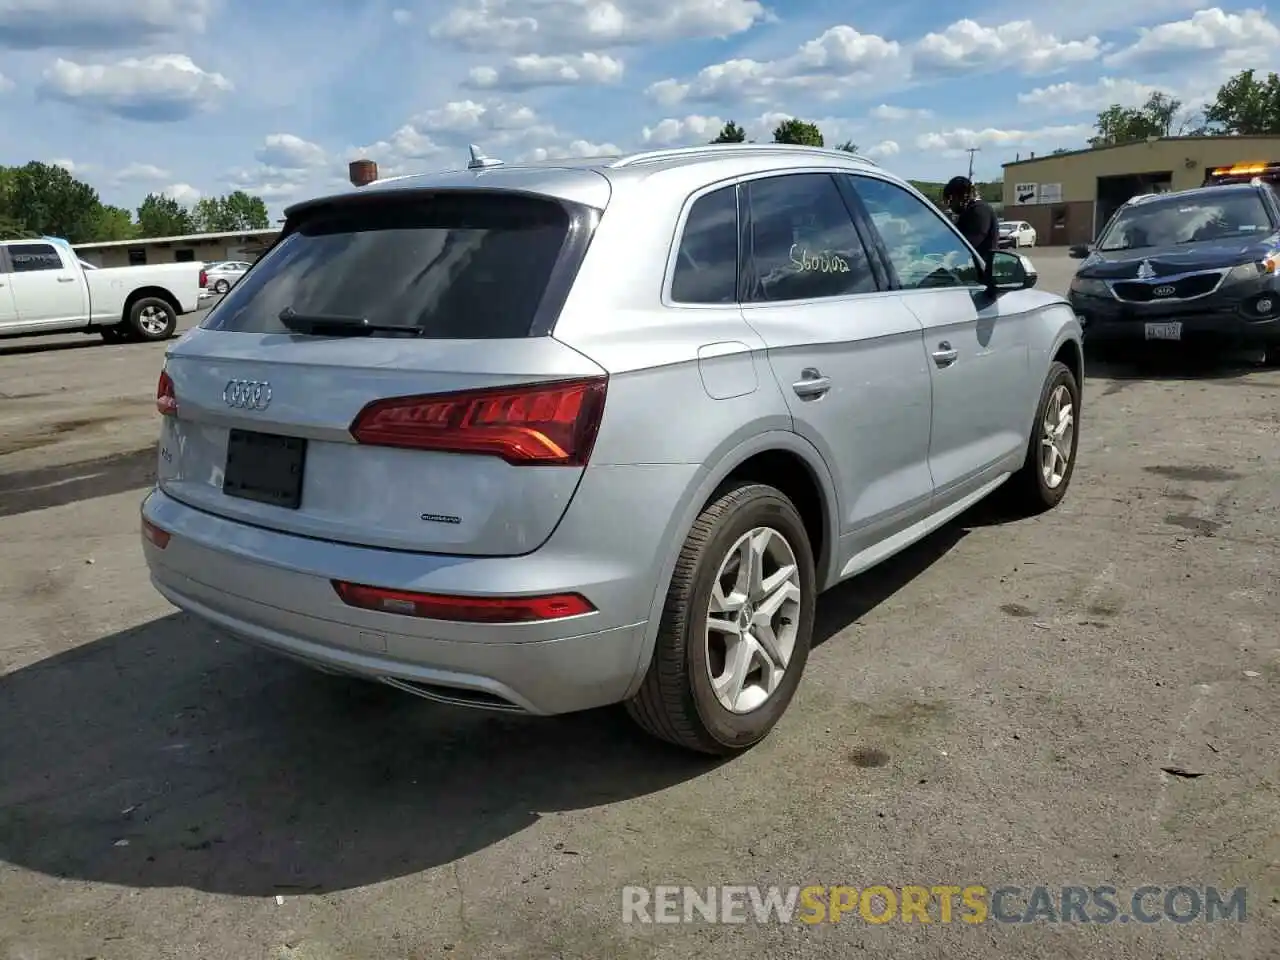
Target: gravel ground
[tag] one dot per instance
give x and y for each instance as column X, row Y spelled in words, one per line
column 993, row 707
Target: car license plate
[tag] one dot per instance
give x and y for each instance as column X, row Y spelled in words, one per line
column 265, row 467
column 1164, row 331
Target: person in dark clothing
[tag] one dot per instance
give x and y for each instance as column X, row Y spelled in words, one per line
column 975, row 219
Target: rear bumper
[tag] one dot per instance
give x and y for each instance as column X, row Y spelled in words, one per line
column 274, row 590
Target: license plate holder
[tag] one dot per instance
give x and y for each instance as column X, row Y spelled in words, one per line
column 265, row 467
column 1171, row 330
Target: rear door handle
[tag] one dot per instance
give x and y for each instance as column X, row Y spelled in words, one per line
column 945, row 355
column 66, row 279
column 812, row 384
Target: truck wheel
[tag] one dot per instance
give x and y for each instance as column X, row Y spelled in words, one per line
column 1271, row 354
column 737, row 626
column 152, row 319
column 1051, row 453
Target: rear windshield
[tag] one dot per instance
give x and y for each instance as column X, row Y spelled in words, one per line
column 455, row 266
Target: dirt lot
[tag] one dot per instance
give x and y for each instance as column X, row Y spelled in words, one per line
column 995, row 707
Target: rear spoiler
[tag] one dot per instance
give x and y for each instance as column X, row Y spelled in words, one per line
column 1268, row 171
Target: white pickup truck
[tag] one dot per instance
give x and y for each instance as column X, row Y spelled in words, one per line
column 45, row 288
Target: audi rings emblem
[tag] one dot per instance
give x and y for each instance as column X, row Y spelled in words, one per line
column 247, row 394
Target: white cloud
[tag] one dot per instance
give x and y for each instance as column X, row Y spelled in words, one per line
column 898, row 114
column 1241, row 36
column 682, row 131
column 968, row 46
column 466, row 116
column 162, row 88
column 97, row 24
column 142, row 173
column 882, row 150
column 574, row 148
column 1086, row 97
column 402, row 16
column 184, row 193
column 535, row 70
column 955, row 142
column 68, row 165
column 6, row 84
column 289, row 152
column 503, row 130
column 825, row 67
column 555, row 26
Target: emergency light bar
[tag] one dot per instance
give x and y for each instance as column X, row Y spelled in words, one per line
column 1243, row 172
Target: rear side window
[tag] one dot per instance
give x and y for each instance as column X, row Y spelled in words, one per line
column 455, row 266
column 803, row 241
column 707, row 262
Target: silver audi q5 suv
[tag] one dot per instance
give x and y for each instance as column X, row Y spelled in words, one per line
column 548, row 437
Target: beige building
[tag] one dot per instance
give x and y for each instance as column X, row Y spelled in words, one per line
column 1068, row 197
column 207, row 247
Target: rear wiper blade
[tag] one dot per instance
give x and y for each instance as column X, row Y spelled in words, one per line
column 314, row 323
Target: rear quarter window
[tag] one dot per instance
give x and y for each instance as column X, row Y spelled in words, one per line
column 452, row 265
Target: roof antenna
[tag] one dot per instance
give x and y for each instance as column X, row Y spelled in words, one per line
column 481, row 162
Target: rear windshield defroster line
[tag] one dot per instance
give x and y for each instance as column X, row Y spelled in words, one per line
column 449, row 265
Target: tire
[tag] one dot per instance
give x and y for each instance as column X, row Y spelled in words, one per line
column 221, row 287
column 1271, row 354
column 1033, row 489
column 152, row 319
column 677, row 701
column 116, row 333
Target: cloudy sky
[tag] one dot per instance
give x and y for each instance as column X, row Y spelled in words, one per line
column 198, row 97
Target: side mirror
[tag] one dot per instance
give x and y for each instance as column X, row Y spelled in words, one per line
column 1079, row 251
column 1012, row 271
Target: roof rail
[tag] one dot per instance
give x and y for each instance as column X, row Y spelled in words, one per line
column 711, row 149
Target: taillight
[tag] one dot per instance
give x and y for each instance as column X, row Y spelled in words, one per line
column 166, row 398
column 154, row 534
column 204, row 279
column 434, row 606
column 544, row 424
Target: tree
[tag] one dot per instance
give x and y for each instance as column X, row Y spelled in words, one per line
column 1155, row 118
column 731, row 133
column 1246, row 106
column 235, row 211
column 161, row 216
column 40, row 199
column 114, row 223
column 848, row 147
column 798, row 132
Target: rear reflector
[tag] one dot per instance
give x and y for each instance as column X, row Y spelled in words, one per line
column 160, row 538
column 166, row 397
column 432, row 606
column 542, row 424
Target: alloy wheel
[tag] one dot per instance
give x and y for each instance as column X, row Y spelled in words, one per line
column 1057, row 434
column 752, row 620
column 153, row 320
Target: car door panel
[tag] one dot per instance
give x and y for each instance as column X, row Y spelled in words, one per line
column 47, row 285
column 848, row 359
column 8, row 308
column 977, row 346
column 979, row 361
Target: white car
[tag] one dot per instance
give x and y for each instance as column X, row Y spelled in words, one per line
column 1017, row 233
column 46, row 288
column 225, row 274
